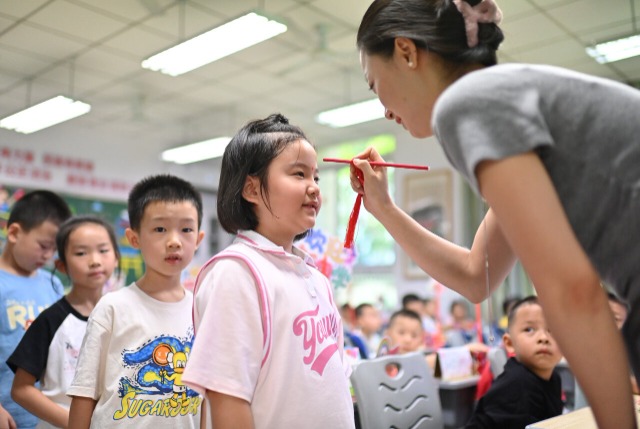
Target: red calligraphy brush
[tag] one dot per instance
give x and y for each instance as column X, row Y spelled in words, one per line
column 379, row 164
column 353, row 218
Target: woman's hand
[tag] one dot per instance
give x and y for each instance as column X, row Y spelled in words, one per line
column 374, row 186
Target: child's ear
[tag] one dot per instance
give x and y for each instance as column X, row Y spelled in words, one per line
column 251, row 189
column 508, row 344
column 60, row 266
column 132, row 236
column 200, row 237
column 13, row 231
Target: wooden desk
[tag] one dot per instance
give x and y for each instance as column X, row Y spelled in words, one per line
column 579, row 419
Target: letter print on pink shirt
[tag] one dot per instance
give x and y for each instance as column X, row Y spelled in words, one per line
column 314, row 330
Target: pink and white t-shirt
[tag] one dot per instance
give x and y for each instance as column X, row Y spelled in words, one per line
column 268, row 331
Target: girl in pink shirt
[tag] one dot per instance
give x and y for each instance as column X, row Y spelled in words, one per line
column 268, row 351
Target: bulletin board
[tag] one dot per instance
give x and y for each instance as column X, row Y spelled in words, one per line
column 131, row 265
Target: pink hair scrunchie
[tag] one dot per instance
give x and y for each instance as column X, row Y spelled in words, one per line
column 485, row 12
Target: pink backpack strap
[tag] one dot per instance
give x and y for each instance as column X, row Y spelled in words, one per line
column 263, row 299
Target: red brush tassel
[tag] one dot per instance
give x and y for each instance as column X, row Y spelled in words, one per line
column 351, row 226
column 353, row 218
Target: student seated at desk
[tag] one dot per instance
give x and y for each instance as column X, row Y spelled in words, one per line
column 529, row 390
column 405, row 333
column 368, row 325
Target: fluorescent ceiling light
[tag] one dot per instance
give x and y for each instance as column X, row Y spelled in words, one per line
column 352, row 114
column 224, row 40
column 615, row 50
column 51, row 112
column 195, row 152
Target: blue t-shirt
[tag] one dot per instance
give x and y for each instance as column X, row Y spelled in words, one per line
column 21, row 300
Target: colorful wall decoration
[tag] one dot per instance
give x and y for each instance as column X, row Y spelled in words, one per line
column 331, row 258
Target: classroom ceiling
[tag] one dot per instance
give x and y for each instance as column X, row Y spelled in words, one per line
column 92, row 49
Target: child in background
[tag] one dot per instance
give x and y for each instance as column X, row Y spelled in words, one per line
column 368, row 325
column 269, row 340
column 25, row 288
column 528, row 390
column 507, row 304
column 88, row 254
column 413, row 302
column 462, row 328
column 426, row 309
column 352, row 340
column 405, row 332
column 138, row 339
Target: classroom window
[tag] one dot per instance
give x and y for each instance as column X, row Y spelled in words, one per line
column 374, row 246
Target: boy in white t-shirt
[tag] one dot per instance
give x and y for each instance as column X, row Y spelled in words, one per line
column 138, row 339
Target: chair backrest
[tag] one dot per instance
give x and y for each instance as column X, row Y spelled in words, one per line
column 497, row 357
column 408, row 399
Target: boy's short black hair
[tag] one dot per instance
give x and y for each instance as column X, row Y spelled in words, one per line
column 37, row 207
column 508, row 303
column 360, row 309
column 405, row 313
column 409, row 298
column 164, row 188
column 532, row 299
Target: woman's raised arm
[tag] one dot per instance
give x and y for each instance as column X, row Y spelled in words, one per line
column 456, row 267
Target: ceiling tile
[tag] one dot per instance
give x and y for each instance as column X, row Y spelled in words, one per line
column 220, row 95
column 88, row 25
column 556, row 53
column 181, row 26
column 20, row 9
column 5, row 22
column 21, row 62
column 530, row 32
column 139, row 42
column 40, row 42
column 125, row 10
column 350, row 12
column 109, row 62
column 255, row 82
column 578, row 17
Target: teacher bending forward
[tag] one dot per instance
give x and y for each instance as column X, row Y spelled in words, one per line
column 556, row 155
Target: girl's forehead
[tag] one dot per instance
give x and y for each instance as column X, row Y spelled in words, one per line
column 299, row 151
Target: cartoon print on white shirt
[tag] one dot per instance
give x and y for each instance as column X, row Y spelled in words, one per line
column 158, row 365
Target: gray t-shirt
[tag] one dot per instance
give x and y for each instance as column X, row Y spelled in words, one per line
column 586, row 131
